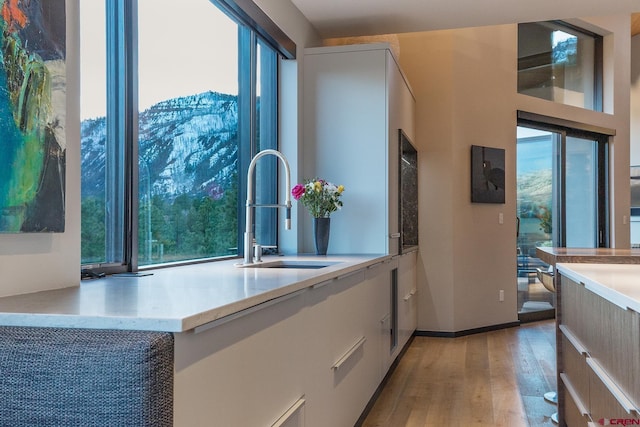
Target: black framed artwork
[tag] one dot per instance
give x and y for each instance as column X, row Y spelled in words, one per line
column 487, row 174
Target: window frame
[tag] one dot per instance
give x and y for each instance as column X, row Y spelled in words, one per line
column 602, row 137
column 598, row 63
column 121, row 228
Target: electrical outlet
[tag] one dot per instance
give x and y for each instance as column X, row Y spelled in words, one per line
column 501, row 295
column 500, row 218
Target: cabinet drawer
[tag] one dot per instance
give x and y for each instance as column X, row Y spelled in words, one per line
column 616, row 346
column 575, row 367
column 611, row 334
column 606, row 400
column 572, row 415
column 572, row 306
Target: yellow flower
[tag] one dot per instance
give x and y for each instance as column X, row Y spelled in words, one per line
column 317, row 186
column 340, row 189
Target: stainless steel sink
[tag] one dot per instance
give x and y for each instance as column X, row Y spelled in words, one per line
column 296, row 264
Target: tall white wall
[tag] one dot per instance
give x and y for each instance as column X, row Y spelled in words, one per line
column 36, row 261
column 465, row 83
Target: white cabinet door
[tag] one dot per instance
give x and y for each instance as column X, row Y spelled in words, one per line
column 380, row 280
column 247, row 372
column 294, row 416
column 407, row 299
column 345, row 346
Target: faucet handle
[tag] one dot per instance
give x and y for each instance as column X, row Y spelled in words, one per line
column 257, row 253
column 287, row 221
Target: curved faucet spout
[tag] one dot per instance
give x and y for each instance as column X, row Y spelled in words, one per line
column 250, row 206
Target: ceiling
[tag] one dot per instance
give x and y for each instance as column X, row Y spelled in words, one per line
column 343, row 18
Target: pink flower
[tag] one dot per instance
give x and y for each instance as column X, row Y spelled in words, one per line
column 297, row 191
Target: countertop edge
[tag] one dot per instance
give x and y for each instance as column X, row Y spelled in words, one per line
column 598, row 286
column 29, row 317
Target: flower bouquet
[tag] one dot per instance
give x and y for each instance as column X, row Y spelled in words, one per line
column 320, row 197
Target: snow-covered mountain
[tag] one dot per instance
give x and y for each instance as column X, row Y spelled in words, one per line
column 187, row 145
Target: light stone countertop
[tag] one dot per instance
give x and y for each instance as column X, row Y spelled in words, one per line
column 174, row 299
column 617, row 283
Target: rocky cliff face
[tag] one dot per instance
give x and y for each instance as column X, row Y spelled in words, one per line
column 187, row 145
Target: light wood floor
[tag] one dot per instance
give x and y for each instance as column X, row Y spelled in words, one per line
column 491, row 379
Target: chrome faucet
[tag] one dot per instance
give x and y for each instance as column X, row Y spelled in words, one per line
column 250, row 205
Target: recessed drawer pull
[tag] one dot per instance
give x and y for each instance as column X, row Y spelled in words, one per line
column 574, row 341
column 626, row 404
column 574, row 395
column 351, row 273
column 287, row 415
column 408, row 296
column 246, row 311
column 325, row 283
column 376, row 265
column 337, row 279
column 348, row 354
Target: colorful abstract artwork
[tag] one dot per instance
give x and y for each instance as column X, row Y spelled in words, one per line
column 32, row 116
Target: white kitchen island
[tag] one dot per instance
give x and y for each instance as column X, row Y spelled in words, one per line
column 253, row 346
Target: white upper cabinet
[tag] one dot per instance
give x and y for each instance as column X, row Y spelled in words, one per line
column 356, row 100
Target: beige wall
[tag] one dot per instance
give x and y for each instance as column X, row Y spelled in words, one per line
column 635, row 100
column 465, row 83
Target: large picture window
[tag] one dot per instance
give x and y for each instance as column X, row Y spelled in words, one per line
column 176, row 99
column 561, row 63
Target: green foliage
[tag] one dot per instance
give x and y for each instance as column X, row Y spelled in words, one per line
column 187, row 227
column 544, row 215
column 93, row 230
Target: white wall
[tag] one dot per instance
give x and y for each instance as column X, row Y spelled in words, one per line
column 36, row 261
column 465, row 82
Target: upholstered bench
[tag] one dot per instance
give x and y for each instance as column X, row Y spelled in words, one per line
column 80, row 377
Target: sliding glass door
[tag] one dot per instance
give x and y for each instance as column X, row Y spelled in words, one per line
column 561, row 201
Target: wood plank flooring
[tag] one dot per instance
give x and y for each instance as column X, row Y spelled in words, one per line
column 496, row 378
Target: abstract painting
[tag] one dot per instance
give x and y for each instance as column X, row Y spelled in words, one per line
column 32, row 115
column 487, row 174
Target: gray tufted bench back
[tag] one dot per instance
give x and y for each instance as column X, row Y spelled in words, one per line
column 77, row 377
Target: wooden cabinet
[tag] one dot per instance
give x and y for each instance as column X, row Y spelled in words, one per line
column 356, row 100
column 598, row 357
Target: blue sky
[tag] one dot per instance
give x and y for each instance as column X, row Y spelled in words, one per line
column 534, row 151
